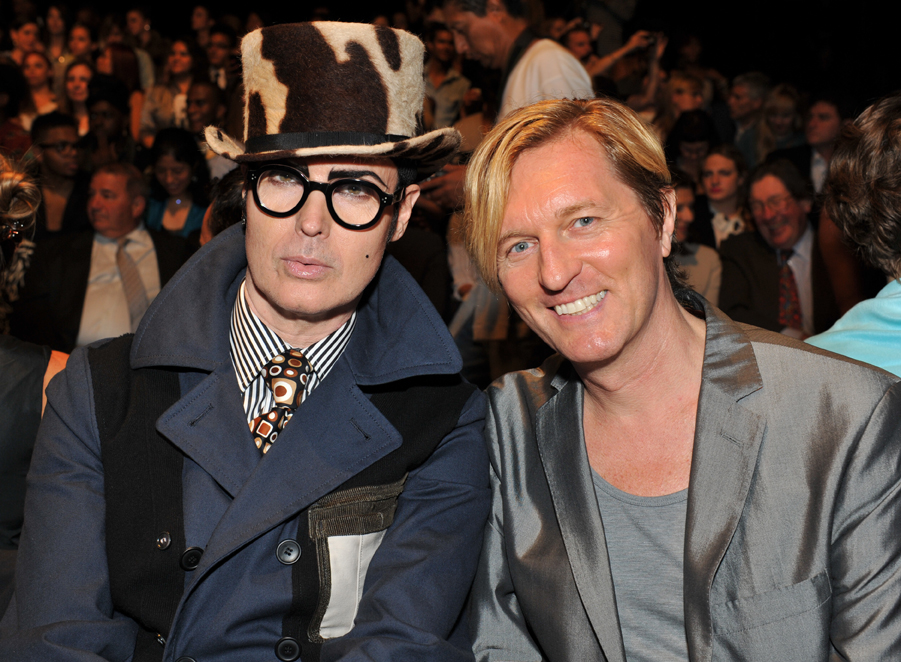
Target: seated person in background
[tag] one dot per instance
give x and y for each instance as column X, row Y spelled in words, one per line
column 108, row 140
column 722, row 211
column 64, row 188
column 26, row 370
column 690, row 141
column 206, row 107
column 781, row 125
column 443, row 83
column 179, row 187
column 700, row 263
column 775, row 278
column 672, row 485
column 863, row 198
column 746, row 110
column 97, row 283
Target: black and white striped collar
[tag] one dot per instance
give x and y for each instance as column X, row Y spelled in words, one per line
column 253, row 344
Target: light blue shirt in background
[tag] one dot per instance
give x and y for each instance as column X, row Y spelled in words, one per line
column 869, row 332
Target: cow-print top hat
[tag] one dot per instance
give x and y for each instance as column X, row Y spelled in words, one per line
column 334, row 89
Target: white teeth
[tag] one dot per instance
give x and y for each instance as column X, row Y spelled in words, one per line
column 581, row 306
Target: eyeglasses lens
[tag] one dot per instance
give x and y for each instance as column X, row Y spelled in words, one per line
column 354, row 202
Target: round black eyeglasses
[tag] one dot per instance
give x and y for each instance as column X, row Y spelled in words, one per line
column 280, row 190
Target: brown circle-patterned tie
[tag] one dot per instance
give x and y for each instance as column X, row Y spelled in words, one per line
column 286, row 375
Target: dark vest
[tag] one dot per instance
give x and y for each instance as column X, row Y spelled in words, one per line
column 145, row 539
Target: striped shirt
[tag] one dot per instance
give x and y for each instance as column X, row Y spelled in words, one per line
column 253, row 344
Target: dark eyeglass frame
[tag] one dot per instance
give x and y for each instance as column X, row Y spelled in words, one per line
column 385, row 199
column 59, row 146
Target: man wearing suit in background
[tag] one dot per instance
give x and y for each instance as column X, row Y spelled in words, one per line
column 671, row 485
column 283, row 461
column 74, row 289
column 775, row 277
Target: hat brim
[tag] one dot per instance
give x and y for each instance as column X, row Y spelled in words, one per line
column 427, row 152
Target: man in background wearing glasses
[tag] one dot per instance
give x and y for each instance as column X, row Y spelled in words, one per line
column 775, row 278
column 283, row 459
column 63, row 188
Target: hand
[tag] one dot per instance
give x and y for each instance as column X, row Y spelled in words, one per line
column 639, row 40
column 446, row 190
column 662, row 41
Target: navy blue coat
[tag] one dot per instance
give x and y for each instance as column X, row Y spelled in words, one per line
column 238, row 507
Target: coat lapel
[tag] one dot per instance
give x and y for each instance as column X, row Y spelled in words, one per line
column 561, row 443
column 727, row 441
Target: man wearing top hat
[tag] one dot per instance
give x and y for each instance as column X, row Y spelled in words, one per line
column 282, row 461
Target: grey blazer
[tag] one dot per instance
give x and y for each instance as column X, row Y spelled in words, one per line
column 793, row 528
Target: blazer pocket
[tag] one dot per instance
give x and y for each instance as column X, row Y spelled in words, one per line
column 771, row 607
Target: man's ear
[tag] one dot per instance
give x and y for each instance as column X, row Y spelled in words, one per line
column 669, row 223
column 137, row 206
column 405, row 211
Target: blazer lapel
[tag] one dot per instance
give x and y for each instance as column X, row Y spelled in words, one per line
column 561, row 444
column 727, row 441
column 322, row 446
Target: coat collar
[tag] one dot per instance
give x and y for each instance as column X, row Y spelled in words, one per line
column 398, row 333
column 727, row 440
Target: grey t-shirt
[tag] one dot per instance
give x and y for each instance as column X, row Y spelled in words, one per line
column 645, row 543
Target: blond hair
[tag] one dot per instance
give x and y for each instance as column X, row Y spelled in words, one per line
column 20, row 197
column 631, row 146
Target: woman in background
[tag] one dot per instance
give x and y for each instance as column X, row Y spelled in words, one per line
column 722, row 212
column 179, row 196
column 120, row 61
column 166, row 102
column 75, row 94
column 41, row 100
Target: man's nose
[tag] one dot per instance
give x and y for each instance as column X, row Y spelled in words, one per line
column 313, row 218
column 460, row 44
column 557, row 267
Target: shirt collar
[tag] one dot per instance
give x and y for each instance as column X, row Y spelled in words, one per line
column 253, row 344
column 139, row 236
column 804, row 246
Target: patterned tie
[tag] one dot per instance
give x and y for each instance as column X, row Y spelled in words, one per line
column 286, row 375
column 135, row 294
column 789, row 303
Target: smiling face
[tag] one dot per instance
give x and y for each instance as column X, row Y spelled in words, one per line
column 174, row 176
column 77, row 80
column 720, row 178
column 479, row 37
column 307, row 272
column 780, row 218
column 579, row 258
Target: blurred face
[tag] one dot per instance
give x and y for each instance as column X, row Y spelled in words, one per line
column 306, row 267
column 685, row 212
column 200, row 18
column 824, row 125
column 478, row 37
column 694, row 152
column 106, row 120
column 115, row 35
column 77, row 80
column 686, row 97
column 113, row 212
column 105, row 63
column 26, row 37
column 55, row 23
column 174, row 176
column 781, row 121
column 720, row 178
column 579, row 44
column 741, row 104
column 180, row 61
column 80, row 41
column 36, row 70
column 780, row 218
column 579, row 258
column 442, row 47
column 57, row 152
column 218, row 50
column 135, row 22
column 202, row 108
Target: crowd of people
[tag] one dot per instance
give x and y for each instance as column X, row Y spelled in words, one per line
column 497, row 194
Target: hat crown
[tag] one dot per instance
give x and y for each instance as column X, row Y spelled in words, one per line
column 308, row 78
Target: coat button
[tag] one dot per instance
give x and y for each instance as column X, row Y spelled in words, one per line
column 185, row 659
column 288, row 552
column 190, row 558
column 164, row 540
column 287, row 649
